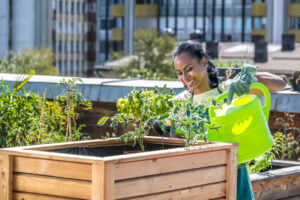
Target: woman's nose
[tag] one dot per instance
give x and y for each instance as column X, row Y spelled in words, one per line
column 185, row 76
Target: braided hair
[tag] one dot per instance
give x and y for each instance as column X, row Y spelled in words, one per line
column 196, row 51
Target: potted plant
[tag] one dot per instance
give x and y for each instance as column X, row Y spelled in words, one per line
column 295, row 80
column 228, row 69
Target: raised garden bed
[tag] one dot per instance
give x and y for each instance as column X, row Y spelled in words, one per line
column 282, row 182
column 204, row 171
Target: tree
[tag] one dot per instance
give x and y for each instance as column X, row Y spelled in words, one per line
column 39, row 60
column 154, row 57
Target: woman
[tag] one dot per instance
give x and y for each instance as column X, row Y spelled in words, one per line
column 200, row 77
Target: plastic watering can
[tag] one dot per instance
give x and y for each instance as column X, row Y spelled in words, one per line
column 244, row 121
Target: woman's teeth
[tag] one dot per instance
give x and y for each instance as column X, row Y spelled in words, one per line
column 189, row 83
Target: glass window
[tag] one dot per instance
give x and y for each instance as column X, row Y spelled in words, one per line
column 227, row 25
column 248, row 25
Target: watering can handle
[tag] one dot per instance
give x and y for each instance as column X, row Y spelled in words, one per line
column 261, row 87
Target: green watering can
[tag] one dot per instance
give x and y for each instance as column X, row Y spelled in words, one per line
column 244, row 121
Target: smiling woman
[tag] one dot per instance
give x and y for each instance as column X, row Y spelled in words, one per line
column 197, row 73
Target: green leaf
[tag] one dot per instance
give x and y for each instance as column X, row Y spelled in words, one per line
column 102, row 121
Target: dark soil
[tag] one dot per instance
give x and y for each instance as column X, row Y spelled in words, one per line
column 111, row 150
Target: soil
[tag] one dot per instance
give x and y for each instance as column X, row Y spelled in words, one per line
column 112, row 150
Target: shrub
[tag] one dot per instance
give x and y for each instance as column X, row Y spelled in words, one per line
column 154, row 57
column 21, row 63
column 28, row 119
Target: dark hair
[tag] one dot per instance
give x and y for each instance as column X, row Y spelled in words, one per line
column 196, row 51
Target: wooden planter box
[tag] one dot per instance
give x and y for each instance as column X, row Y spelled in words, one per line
column 282, row 183
column 204, row 171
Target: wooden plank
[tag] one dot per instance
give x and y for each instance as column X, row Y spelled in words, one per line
column 53, row 156
column 54, row 186
column 205, row 192
column 31, row 196
column 86, row 143
column 167, row 182
column 5, row 176
column 62, row 169
column 231, row 185
column 169, row 164
column 103, row 181
column 167, row 152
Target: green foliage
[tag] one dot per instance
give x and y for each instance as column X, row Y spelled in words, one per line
column 296, row 74
column 140, row 108
column 154, row 58
column 228, row 64
column 261, row 163
column 189, row 121
column 21, row 63
column 286, row 146
column 27, row 119
column 288, row 138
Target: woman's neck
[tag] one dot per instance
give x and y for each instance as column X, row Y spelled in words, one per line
column 204, row 88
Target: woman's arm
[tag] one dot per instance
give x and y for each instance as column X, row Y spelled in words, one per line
column 274, row 83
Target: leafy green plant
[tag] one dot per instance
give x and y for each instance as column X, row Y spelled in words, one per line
column 69, row 103
column 288, row 138
column 286, row 146
column 188, row 120
column 228, row 64
column 27, row 119
column 138, row 110
column 154, row 57
column 21, row 63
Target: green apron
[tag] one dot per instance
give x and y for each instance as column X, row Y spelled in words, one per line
column 244, row 188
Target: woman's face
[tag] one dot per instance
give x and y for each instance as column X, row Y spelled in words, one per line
column 192, row 72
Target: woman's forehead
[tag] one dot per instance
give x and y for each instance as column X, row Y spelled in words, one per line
column 185, row 58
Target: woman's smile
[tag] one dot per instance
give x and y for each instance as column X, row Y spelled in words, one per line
column 189, row 84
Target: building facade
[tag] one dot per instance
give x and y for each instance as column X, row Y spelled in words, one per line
column 68, row 27
column 83, row 33
column 209, row 20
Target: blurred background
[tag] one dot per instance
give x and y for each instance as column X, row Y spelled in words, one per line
column 81, row 37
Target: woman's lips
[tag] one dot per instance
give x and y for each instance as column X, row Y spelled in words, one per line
column 189, row 84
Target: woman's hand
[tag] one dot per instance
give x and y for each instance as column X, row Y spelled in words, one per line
column 241, row 83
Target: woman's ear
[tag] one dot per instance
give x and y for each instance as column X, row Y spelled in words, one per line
column 204, row 61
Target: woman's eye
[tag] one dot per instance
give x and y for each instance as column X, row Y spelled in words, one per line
column 189, row 69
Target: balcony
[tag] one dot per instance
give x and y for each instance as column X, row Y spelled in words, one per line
column 92, row 17
column 69, row 56
column 146, row 10
column 296, row 32
column 71, row 37
column 117, row 34
column 259, row 9
column 294, row 10
column 117, row 10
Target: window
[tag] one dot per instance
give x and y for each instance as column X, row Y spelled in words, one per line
column 103, row 24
